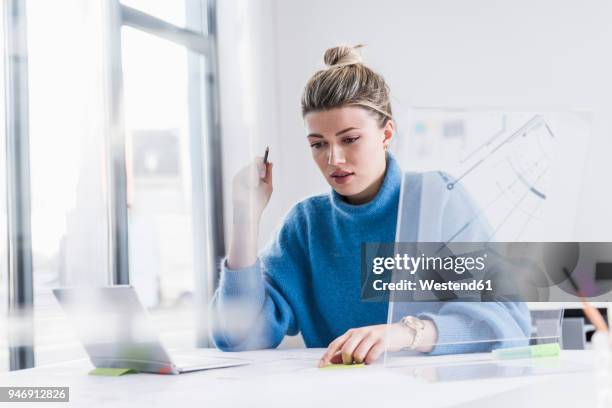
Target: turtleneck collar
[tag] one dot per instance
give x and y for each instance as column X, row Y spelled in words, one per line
column 386, row 198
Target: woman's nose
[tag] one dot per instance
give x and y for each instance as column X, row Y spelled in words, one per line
column 336, row 155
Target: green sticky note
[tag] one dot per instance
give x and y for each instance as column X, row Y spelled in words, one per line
column 336, row 366
column 545, row 350
column 112, row 372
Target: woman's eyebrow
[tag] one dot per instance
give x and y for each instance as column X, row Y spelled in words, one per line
column 337, row 134
column 346, row 130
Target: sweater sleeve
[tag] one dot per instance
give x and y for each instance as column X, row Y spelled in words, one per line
column 465, row 327
column 250, row 309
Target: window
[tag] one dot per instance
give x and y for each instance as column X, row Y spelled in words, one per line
column 171, row 147
column 159, row 179
column 67, row 164
column 77, row 113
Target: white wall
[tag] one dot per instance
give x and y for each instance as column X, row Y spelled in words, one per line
column 523, row 54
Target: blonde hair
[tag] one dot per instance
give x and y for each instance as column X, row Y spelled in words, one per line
column 347, row 82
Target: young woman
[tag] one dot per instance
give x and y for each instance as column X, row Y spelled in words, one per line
column 308, row 279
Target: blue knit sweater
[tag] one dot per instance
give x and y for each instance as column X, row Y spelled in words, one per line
column 308, row 279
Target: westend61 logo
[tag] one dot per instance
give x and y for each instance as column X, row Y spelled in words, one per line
column 481, row 272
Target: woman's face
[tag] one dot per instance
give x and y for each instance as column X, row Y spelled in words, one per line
column 348, row 145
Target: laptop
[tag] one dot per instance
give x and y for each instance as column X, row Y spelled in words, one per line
column 117, row 332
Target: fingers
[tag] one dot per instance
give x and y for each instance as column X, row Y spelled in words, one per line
column 362, row 350
column 268, row 177
column 257, row 171
column 349, row 347
column 363, row 345
column 333, row 348
column 337, row 358
column 250, row 174
column 377, row 349
column 261, row 168
column 252, row 187
column 264, row 170
column 345, row 349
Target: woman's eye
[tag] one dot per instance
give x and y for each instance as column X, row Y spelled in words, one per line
column 350, row 140
column 317, row 145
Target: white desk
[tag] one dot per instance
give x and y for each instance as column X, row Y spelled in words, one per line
column 281, row 378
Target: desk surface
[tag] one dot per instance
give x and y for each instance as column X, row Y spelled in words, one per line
column 278, row 377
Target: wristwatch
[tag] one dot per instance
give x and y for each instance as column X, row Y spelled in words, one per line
column 418, row 326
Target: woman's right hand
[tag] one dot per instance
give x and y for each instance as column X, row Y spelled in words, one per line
column 251, row 190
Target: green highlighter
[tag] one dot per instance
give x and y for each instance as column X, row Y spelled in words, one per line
column 535, row 351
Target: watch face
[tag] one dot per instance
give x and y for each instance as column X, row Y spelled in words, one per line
column 414, row 323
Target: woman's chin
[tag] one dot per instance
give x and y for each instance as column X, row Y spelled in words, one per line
column 346, row 191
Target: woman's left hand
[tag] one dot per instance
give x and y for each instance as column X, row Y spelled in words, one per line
column 366, row 344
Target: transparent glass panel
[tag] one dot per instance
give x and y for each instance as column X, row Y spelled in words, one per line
column 67, row 160
column 474, row 369
column 171, row 11
column 159, row 182
column 482, row 177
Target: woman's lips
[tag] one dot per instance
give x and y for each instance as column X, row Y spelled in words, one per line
column 342, row 177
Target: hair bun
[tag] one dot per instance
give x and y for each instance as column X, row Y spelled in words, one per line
column 342, row 55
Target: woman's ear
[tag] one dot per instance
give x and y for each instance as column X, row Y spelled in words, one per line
column 388, row 132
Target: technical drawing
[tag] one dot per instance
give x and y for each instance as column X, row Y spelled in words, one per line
column 523, row 168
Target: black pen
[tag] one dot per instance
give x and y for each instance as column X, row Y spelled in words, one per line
column 265, row 160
